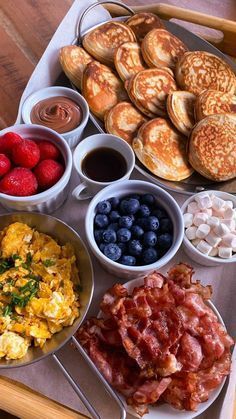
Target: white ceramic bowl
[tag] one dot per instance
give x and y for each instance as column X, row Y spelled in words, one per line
column 72, row 137
column 122, row 189
column 191, row 251
column 49, row 200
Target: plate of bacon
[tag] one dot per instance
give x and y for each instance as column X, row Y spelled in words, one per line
column 161, row 344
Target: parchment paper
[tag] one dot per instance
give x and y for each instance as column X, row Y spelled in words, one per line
column 45, row 376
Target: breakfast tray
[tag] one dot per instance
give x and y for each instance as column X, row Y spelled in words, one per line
column 44, row 375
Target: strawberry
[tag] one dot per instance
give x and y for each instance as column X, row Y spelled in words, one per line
column 48, row 150
column 26, row 154
column 19, row 182
column 5, row 164
column 48, row 172
column 8, row 142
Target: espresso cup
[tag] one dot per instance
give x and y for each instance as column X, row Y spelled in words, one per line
column 118, row 163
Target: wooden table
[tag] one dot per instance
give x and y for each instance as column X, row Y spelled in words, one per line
column 26, row 27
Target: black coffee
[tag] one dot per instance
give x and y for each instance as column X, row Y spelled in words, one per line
column 104, row 165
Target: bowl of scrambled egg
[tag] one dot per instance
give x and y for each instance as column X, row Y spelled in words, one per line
column 46, row 286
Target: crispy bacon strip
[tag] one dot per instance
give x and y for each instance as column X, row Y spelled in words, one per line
column 161, row 342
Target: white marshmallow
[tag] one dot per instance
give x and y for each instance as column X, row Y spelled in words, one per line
column 202, row 231
column 188, row 219
column 230, row 224
column 213, row 221
column 203, row 200
column 195, row 242
column 207, row 211
column 221, row 230
column 229, row 240
column 204, row 247
column 200, row 218
column 217, row 203
column 229, row 204
column 229, row 213
column 225, row 252
column 214, row 252
column 191, row 232
column 219, row 213
column 213, row 239
column 193, row 207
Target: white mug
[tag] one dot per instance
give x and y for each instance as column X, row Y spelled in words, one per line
column 89, row 187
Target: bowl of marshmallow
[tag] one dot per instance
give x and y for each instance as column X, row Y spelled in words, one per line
column 210, row 228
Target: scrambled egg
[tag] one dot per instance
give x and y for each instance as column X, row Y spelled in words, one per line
column 39, row 289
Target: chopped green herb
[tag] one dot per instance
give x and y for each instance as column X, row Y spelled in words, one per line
column 1, row 285
column 7, row 310
column 48, row 262
column 10, row 281
column 6, row 264
column 15, row 257
column 27, row 263
column 35, row 277
column 27, row 291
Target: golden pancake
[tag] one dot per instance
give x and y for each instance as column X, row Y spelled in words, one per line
column 142, row 23
column 73, row 60
column 134, row 100
column 102, row 41
column 124, row 121
column 180, row 108
column 161, row 48
column 148, row 90
column 101, row 88
column 212, row 147
column 210, row 102
column 200, row 70
column 128, row 60
column 162, row 150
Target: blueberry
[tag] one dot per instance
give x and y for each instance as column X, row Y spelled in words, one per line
column 101, row 247
column 112, row 251
column 113, row 226
column 151, row 223
column 149, row 255
column 149, row 239
column 148, row 199
column 114, row 202
column 135, row 248
column 144, row 211
column 101, row 220
column 109, row 236
column 104, row 207
column 129, row 206
column 122, row 246
column 164, row 241
column 135, row 196
column 128, row 260
column 114, row 216
column 166, row 225
column 159, row 213
column 125, row 221
column 137, row 231
column 98, row 235
column 123, row 235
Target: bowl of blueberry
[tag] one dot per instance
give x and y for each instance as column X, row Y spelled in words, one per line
column 133, row 228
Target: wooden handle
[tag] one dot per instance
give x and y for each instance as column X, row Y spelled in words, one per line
column 226, row 44
column 23, row 402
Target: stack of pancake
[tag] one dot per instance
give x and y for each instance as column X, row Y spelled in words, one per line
column 176, row 108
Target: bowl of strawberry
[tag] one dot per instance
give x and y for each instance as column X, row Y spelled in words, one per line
column 35, row 168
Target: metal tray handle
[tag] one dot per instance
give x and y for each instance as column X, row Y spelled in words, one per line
column 80, row 22
column 80, row 392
